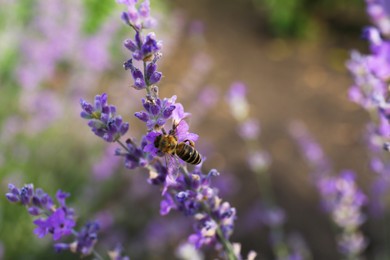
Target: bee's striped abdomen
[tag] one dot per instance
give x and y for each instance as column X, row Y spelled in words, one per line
column 188, row 153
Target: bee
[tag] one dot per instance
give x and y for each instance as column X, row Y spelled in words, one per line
column 168, row 144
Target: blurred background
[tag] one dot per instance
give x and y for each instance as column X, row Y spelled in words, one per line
column 291, row 56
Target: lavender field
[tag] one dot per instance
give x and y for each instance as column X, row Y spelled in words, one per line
column 194, row 129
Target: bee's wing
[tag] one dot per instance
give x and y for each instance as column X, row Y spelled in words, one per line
column 172, row 163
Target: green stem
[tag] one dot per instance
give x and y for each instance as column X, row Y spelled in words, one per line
column 228, row 247
column 123, row 145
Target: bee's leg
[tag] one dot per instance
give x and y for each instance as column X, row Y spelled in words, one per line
column 190, row 142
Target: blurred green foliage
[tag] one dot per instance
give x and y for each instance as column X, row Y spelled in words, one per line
column 307, row 18
column 97, row 12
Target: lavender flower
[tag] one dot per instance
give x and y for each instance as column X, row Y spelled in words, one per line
column 344, row 202
column 85, row 240
column 137, row 17
column 371, row 74
column 379, row 11
column 157, row 112
column 103, row 120
column 192, row 194
column 57, row 221
column 341, row 198
column 134, row 155
column 236, row 98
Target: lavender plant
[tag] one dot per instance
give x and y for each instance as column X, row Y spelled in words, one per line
column 371, row 74
column 187, row 191
column 58, row 221
column 340, row 196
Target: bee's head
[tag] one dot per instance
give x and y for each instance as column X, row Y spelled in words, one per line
column 157, row 141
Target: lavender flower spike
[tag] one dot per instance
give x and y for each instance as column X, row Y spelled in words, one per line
column 103, row 120
column 56, row 221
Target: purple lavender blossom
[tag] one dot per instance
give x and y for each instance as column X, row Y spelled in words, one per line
column 379, row 11
column 236, row 98
column 59, row 224
column 249, row 129
column 103, row 119
column 85, row 240
column 344, row 202
column 134, row 155
column 137, row 16
column 157, row 112
column 194, row 197
column 311, row 151
column 138, row 76
column 371, row 74
column 340, row 196
column 144, row 49
column 57, row 221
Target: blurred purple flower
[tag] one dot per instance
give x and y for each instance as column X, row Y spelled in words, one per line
column 379, row 11
column 137, row 16
column 249, row 129
column 311, row 151
column 236, row 98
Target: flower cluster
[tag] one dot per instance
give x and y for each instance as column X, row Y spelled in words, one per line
column 137, row 15
column 59, row 221
column 379, row 11
column 371, row 74
column 341, row 198
column 103, row 119
column 157, row 112
column 192, row 194
column 345, row 201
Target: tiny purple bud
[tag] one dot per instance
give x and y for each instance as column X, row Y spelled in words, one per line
column 156, row 77
column 168, row 111
column 154, row 109
column 125, row 18
column 34, row 211
column 124, row 128
column 11, row 197
column 130, row 44
column 150, row 69
column 142, row 116
column 128, row 65
column 59, row 247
